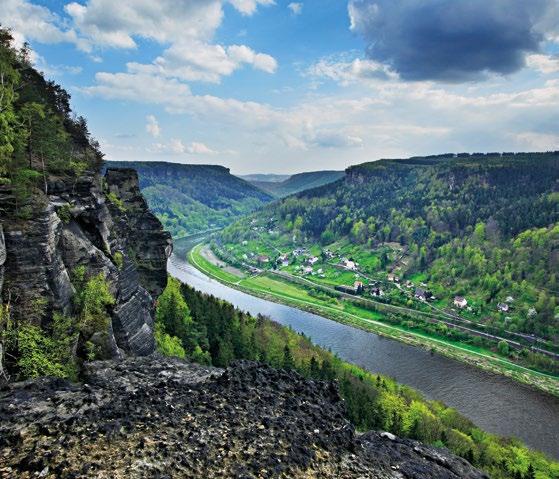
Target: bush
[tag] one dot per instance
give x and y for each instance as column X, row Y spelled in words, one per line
column 166, row 344
column 41, row 354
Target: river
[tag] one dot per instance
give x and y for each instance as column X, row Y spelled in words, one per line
column 495, row 403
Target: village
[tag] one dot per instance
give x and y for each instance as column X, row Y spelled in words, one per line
column 383, row 276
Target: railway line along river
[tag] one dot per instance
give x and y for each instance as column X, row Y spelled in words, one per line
column 495, row 403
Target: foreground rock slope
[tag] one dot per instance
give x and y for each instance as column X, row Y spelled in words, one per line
column 154, row 417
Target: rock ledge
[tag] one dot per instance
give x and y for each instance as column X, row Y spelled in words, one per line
column 159, row 417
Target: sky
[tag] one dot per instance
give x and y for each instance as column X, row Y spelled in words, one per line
column 283, row 87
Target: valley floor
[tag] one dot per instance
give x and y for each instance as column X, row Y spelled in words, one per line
column 294, row 292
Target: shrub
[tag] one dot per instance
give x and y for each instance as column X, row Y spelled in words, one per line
column 166, row 344
column 41, row 354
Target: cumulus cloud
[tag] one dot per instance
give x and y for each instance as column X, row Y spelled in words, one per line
column 451, row 41
column 185, row 28
column 176, row 147
column 546, row 64
column 296, row 8
column 152, row 126
column 248, row 7
column 346, row 71
column 118, row 24
column 35, row 22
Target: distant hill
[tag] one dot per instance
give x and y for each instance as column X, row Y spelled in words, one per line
column 297, row 183
column 193, row 198
column 264, row 177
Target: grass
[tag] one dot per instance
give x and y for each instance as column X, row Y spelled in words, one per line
column 298, row 296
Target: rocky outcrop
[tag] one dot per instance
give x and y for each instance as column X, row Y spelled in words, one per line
column 2, row 258
column 155, row 417
column 75, row 225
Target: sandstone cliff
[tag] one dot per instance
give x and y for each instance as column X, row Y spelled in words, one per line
column 154, row 417
column 75, row 225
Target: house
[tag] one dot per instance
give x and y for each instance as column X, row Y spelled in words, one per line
column 320, row 271
column 509, row 299
column 307, row 270
column 460, row 302
column 393, row 278
column 376, row 291
column 262, row 259
column 312, row 260
column 423, row 294
column 282, row 257
column 532, row 312
column 503, row 307
column 358, row 286
column 329, row 254
column 298, row 251
column 245, row 242
column 350, row 265
column 285, row 263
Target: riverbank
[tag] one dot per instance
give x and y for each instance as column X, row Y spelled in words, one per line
column 284, row 292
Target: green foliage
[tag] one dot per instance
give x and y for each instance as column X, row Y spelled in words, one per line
column 39, row 136
column 43, row 354
column 65, row 213
column 92, row 299
column 118, row 259
column 166, row 344
column 115, row 200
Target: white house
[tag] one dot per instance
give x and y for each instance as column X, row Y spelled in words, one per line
column 460, row 302
column 350, row 265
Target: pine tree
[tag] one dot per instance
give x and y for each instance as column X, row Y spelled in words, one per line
column 288, row 361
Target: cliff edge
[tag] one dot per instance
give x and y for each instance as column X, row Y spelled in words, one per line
column 156, row 417
column 102, row 224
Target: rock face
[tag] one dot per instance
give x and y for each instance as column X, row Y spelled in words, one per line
column 155, row 417
column 75, row 225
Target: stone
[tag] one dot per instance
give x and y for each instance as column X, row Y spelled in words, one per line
column 162, row 417
column 38, row 256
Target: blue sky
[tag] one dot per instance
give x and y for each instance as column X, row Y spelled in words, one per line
column 279, row 86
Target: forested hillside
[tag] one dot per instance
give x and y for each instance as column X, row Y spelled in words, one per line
column 481, row 227
column 40, row 136
column 192, row 198
column 296, row 183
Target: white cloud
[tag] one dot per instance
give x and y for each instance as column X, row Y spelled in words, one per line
column 296, row 8
column 248, row 7
column 35, row 22
column 176, row 147
column 196, row 148
column 543, row 63
column 537, row 141
column 199, row 61
column 345, row 71
column 152, row 126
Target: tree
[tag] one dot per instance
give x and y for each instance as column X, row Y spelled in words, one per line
column 503, row 348
column 288, row 361
column 173, row 312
